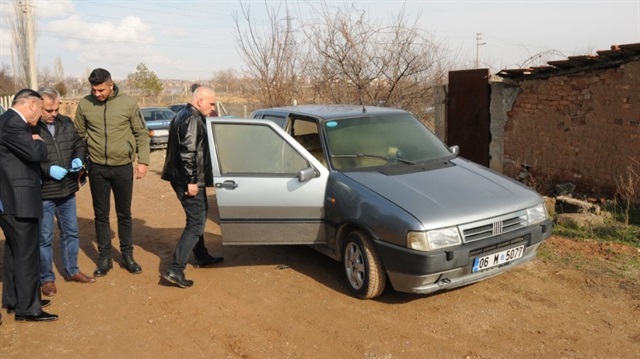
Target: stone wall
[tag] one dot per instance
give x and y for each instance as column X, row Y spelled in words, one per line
column 582, row 128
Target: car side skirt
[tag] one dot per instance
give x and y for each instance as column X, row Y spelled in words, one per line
column 269, row 232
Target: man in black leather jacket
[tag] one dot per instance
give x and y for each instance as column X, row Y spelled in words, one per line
column 188, row 167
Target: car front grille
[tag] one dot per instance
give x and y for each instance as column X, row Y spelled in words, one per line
column 476, row 231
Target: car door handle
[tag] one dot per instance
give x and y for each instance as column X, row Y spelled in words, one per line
column 227, row 184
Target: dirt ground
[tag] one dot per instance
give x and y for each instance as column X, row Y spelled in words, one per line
column 576, row 300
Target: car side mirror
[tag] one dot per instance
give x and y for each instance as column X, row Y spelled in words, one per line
column 306, row 174
column 455, row 150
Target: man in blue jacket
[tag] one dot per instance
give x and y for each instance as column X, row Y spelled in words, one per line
column 61, row 170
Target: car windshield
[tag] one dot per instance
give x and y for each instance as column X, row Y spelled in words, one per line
column 157, row 114
column 379, row 140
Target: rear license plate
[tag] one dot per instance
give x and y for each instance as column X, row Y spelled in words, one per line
column 492, row 260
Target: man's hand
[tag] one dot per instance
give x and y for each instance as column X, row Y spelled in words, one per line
column 36, row 137
column 76, row 165
column 192, row 190
column 57, row 172
column 141, row 170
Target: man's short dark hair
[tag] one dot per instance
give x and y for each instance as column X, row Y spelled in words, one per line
column 99, row 76
column 25, row 94
column 194, row 87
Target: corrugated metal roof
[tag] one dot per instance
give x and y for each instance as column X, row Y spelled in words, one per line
column 617, row 55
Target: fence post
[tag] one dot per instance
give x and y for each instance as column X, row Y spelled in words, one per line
column 5, row 101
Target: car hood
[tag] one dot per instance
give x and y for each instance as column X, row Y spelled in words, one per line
column 462, row 193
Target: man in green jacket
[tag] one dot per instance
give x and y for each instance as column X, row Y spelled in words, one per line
column 114, row 129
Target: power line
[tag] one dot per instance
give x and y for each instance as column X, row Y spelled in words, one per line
column 61, row 35
column 154, row 10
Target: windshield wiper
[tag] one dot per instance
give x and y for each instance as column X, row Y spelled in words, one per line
column 387, row 158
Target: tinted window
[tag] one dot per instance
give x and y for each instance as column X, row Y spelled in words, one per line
column 157, row 115
column 255, row 149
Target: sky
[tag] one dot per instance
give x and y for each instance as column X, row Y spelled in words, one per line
column 193, row 39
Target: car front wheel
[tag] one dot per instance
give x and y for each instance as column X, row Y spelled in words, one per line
column 363, row 268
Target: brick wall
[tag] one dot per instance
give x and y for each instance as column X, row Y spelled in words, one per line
column 581, row 128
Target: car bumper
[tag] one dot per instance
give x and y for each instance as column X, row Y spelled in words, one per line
column 158, row 141
column 429, row 272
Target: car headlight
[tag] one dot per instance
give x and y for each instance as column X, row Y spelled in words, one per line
column 536, row 214
column 434, row 239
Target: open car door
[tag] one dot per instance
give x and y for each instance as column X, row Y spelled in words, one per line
column 269, row 189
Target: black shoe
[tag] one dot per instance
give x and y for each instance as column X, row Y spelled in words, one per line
column 178, row 279
column 130, row 264
column 42, row 317
column 207, row 261
column 43, row 303
column 104, row 265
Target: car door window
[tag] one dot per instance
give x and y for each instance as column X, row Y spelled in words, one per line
column 255, row 150
column 306, row 133
column 280, row 120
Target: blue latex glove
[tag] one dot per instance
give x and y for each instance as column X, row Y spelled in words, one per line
column 76, row 165
column 57, row 172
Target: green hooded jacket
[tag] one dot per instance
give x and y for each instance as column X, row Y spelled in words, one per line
column 114, row 130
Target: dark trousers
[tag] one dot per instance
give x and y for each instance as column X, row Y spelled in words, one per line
column 21, row 279
column 192, row 238
column 103, row 180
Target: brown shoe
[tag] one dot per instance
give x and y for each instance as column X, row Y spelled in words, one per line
column 80, row 278
column 49, row 288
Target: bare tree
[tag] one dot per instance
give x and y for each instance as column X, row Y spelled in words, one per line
column 226, row 81
column 359, row 60
column 46, row 76
column 20, row 48
column 273, row 64
column 347, row 58
column 77, row 86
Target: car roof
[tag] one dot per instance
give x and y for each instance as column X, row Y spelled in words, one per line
column 155, row 108
column 328, row 112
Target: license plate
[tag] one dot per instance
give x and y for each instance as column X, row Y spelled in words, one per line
column 492, row 260
column 161, row 132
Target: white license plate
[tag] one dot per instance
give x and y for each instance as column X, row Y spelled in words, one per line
column 161, row 132
column 492, row 260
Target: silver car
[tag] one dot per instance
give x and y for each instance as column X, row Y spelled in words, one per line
column 158, row 120
column 374, row 189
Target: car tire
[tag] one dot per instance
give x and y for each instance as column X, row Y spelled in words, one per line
column 364, row 272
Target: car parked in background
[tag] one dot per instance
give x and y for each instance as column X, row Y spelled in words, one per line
column 158, row 120
column 374, row 189
column 176, row 107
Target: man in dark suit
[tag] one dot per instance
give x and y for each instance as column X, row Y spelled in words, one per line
column 21, row 197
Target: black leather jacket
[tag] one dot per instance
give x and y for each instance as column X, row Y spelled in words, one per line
column 62, row 149
column 187, row 160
